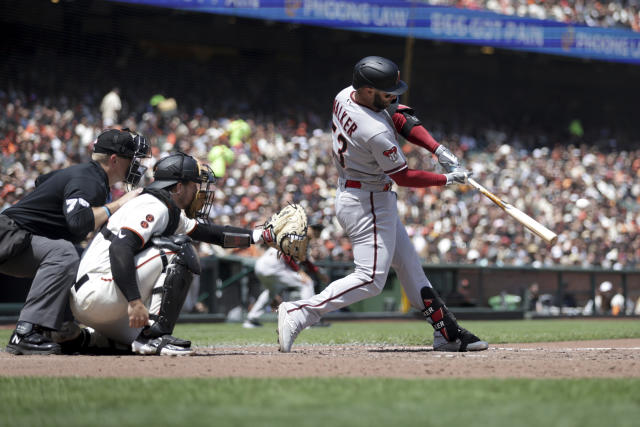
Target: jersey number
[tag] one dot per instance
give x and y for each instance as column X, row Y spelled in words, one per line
column 343, row 145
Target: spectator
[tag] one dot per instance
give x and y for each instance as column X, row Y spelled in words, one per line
column 621, row 305
column 601, row 304
column 110, row 107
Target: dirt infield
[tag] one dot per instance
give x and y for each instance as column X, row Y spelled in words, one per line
column 610, row 358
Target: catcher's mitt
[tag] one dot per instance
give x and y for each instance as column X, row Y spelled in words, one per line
column 286, row 231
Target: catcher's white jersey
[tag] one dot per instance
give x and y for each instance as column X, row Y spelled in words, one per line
column 145, row 215
column 98, row 302
column 365, row 145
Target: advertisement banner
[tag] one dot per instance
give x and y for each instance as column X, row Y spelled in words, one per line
column 410, row 18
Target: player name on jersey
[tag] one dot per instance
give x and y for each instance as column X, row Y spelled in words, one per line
column 345, row 121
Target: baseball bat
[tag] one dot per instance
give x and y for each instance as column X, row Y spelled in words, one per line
column 534, row 226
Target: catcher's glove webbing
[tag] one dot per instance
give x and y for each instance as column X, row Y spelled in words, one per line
column 286, row 231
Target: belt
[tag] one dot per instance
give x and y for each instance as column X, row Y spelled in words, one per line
column 350, row 183
column 81, row 281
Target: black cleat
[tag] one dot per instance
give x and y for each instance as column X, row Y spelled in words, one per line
column 29, row 339
column 179, row 342
column 465, row 341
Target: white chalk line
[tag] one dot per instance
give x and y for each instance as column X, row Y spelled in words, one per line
column 567, row 349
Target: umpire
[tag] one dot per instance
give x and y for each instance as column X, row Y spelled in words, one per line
column 37, row 234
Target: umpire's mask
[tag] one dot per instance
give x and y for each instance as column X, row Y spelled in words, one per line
column 128, row 144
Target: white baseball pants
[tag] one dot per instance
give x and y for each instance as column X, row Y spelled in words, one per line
column 100, row 304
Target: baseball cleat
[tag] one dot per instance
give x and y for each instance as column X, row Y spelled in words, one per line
column 158, row 346
column 287, row 328
column 251, row 323
column 178, row 342
column 465, row 342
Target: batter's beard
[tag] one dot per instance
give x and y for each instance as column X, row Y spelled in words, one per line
column 379, row 103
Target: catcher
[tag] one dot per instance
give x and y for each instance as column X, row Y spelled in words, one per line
column 134, row 276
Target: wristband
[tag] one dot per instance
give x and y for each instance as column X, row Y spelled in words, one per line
column 107, row 211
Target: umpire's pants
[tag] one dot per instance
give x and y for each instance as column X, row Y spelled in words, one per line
column 53, row 265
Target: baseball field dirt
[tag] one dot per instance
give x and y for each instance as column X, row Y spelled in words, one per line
column 580, row 359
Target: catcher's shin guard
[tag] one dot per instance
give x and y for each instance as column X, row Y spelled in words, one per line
column 173, row 291
column 438, row 315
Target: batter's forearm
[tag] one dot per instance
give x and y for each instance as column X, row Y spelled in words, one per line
column 421, row 137
column 418, row 178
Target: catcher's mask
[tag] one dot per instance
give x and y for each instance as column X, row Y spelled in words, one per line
column 181, row 167
column 128, row 144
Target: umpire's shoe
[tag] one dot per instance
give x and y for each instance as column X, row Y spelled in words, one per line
column 465, row 341
column 30, row 339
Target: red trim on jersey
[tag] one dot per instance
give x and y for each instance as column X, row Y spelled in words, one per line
column 373, row 272
column 395, row 170
column 154, row 257
column 138, row 266
column 418, row 178
column 194, row 227
column 288, row 259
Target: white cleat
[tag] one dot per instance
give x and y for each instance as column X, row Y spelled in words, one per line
column 287, row 328
column 251, row 324
column 158, row 346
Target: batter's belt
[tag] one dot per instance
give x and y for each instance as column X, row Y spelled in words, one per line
column 364, row 186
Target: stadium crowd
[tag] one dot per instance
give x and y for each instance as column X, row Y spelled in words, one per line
column 594, row 13
column 588, row 196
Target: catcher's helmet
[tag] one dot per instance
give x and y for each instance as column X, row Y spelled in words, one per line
column 180, row 167
column 379, row 73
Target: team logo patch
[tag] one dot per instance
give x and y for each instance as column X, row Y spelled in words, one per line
column 150, row 218
column 391, row 153
column 144, row 224
column 72, row 203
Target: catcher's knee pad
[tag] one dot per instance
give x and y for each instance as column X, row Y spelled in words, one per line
column 438, row 315
column 173, row 293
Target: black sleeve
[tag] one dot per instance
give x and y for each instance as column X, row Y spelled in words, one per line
column 79, row 197
column 225, row 236
column 123, row 266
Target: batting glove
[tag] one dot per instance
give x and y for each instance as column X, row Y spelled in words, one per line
column 458, row 177
column 447, row 159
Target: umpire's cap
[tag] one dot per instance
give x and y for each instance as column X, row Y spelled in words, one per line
column 179, row 167
column 379, row 73
column 120, row 142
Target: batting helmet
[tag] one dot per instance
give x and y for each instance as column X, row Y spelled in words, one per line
column 378, row 73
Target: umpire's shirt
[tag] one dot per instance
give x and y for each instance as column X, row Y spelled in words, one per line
column 57, row 213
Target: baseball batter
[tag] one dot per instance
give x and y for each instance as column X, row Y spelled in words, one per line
column 369, row 160
column 133, row 278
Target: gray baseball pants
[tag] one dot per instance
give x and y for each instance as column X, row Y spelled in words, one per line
column 53, row 265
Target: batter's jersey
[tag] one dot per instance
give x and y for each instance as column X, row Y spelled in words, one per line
column 146, row 216
column 365, row 143
column 60, row 205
